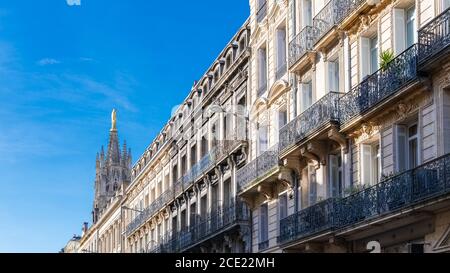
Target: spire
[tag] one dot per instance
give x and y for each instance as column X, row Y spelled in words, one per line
column 113, row 146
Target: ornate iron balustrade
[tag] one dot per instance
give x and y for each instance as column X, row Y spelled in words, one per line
column 434, row 36
column 324, row 110
column 301, row 43
column 343, row 8
column 225, row 147
column 325, row 19
column 150, row 211
column 380, row 85
column 428, row 181
column 314, row 219
column 214, row 223
column 258, row 167
column 262, row 12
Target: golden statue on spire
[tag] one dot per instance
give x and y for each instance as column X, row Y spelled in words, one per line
column 114, row 119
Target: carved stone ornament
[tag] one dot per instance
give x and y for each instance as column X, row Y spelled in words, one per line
column 366, row 131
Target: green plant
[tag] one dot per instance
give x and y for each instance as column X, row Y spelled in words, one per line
column 385, row 58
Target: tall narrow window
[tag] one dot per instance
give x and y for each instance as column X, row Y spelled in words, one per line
column 312, row 184
column 445, row 4
column 370, row 164
column 262, row 75
column 373, row 54
column 306, row 95
column 263, row 223
column 407, row 146
column 336, row 179
column 183, row 165
column 333, row 76
column 307, row 13
column 410, row 26
column 204, row 146
column 281, row 52
column 193, row 155
column 282, row 206
column 413, row 147
column 263, row 139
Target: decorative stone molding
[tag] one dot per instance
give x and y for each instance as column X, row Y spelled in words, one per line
column 337, row 136
column 366, row 131
column 266, row 191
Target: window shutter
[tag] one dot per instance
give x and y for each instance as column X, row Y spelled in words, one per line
column 401, row 147
column 399, row 31
column 366, row 164
column 364, row 56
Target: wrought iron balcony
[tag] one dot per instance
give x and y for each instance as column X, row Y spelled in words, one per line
column 262, row 12
column 379, row 86
column 225, row 147
column 320, row 113
column 428, row 181
column 301, row 43
column 150, row 211
column 257, row 168
column 311, row 220
column 343, row 8
column 434, row 37
column 211, row 225
column 198, row 170
column 325, row 19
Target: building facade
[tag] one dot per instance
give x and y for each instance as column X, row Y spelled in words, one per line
column 362, row 160
column 321, row 127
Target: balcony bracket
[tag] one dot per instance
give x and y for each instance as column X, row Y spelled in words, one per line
column 312, row 56
column 315, row 151
column 311, row 156
column 285, row 177
column 337, row 136
column 266, row 191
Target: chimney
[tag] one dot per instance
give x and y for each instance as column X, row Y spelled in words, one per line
column 85, row 228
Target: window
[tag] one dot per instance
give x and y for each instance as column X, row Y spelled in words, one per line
column 404, row 28
column 281, row 52
column 306, row 95
column 373, row 54
column 445, row 4
column 333, row 76
column 159, row 186
column 262, row 69
column 242, row 45
column 282, row 120
column 410, row 26
column 263, row 139
column 336, row 179
column 204, row 146
column 407, row 146
column 368, row 56
column 175, row 173
column 370, row 156
column 183, row 165
column 263, row 223
column 282, row 206
column 193, row 155
column 307, row 13
column 312, row 184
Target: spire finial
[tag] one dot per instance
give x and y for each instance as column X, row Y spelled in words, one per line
column 113, row 120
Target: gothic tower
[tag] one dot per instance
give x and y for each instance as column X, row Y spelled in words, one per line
column 112, row 170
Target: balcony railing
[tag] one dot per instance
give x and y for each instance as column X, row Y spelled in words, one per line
column 301, row 43
column 325, row 19
column 343, row 8
column 434, row 36
column 258, row 167
column 225, row 147
column 428, row 181
column 263, row 245
column 262, row 12
column 320, row 113
column 150, row 211
column 311, row 220
column 380, row 85
column 198, row 169
column 214, row 223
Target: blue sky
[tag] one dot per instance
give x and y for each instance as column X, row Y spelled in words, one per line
column 62, row 70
